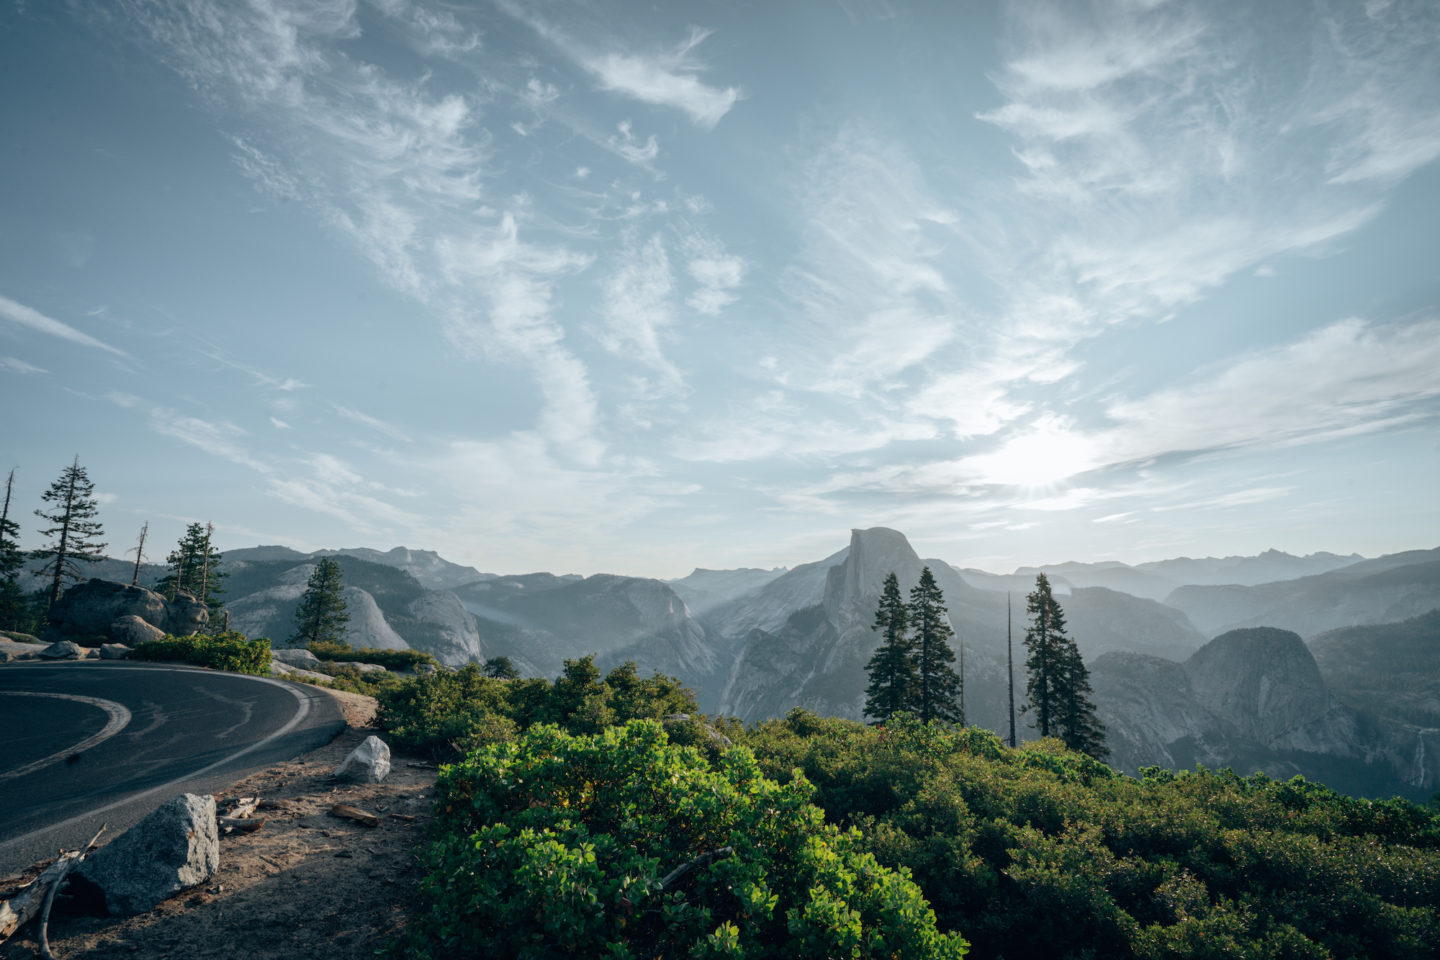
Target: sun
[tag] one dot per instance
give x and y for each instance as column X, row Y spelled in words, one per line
column 1047, row 454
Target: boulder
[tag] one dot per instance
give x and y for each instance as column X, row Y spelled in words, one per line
column 131, row 630
column 367, row 763
column 279, row 668
column 63, row 650
column 425, row 669
column 114, row 651
column 93, row 608
column 176, row 847
column 295, row 657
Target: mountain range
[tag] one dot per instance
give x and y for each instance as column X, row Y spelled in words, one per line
column 1193, row 660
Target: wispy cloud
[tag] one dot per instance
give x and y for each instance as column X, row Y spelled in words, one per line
column 35, row 320
column 374, row 423
column 637, row 306
column 668, row 79
column 16, row 365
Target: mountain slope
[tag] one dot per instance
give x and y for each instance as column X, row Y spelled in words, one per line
column 1391, row 669
column 1382, row 590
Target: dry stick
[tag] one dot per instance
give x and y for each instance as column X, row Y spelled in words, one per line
column 704, row 860
column 54, row 888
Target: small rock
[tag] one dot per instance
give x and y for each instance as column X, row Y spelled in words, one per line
column 281, row 669
column 173, row 849
column 367, row 763
column 63, row 650
column 361, row 667
column 424, row 669
column 114, row 651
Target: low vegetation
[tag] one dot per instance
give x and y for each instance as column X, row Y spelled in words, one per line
column 335, row 651
column 221, row 651
column 571, row 806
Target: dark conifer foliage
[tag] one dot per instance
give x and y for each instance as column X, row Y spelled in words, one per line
column 892, row 668
column 74, row 536
column 500, row 668
column 936, row 692
column 321, row 616
column 195, row 568
column 14, row 605
column 1059, row 686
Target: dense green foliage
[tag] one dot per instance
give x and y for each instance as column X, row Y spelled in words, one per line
column 321, row 616
column 454, row 711
column 892, row 667
column 74, row 536
column 1059, row 684
column 1044, row 852
column 625, row 845
column 500, row 668
column 222, row 651
column 389, row 659
column 1040, row 852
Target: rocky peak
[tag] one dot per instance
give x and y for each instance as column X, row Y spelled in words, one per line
column 872, row 555
column 1263, row 680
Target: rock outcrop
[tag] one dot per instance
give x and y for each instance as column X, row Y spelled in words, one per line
column 367, row 763
column 176, row 847
column 98, row 611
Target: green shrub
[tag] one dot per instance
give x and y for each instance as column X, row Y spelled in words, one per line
column 222, row 651
column 560, row 846
column 389, row 659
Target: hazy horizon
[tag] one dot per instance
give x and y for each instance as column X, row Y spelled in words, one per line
column 588, row 287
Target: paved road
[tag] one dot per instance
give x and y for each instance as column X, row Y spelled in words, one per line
column 86, row 743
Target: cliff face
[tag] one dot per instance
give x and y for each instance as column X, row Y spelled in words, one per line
column 1253, row 699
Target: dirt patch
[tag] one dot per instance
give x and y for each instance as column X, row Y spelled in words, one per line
column 307, row 884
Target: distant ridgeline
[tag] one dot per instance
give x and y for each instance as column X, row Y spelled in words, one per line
column 1324, row 665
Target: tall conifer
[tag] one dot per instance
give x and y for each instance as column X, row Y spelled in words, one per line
column 936, row 693
column 76, row 532
column 892, row 668
column 1059, row 686
column 321, row 616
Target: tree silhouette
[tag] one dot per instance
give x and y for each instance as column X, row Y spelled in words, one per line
column 936, row 692
column 14, row 605
column 1059, row 686
column 892, row 667
column 321, row 616
column 76, row 532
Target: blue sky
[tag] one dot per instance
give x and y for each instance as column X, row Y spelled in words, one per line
column 610, row 287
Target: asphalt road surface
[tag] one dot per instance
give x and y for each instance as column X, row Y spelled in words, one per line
column 99, row 742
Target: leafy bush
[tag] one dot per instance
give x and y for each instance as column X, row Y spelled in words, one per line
column 451, row 712
column 1042, row 852
column 222, row 651
column 624, row 845
column 389, row 659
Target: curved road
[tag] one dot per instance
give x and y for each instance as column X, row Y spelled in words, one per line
column 98, row 742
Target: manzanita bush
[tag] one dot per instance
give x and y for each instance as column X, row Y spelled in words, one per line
column 558, row 845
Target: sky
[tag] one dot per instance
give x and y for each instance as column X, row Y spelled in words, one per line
column 608, row 286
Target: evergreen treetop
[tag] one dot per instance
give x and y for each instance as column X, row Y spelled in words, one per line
column 321, row 616
column 936, row 693
column 14, row 605
column 892, row 667
column 75, row 532
column 195, row 568
column 1059, row 685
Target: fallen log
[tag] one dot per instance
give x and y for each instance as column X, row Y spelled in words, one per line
column 347, row 812
column 22, row 908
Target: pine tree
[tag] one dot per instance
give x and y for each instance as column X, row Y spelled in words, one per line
column 935, row 694
column 1059, row 686
column 1045, row 642
column 1077, row 723
column 14, row 605
column 195, row 568
column 500, row 668
column 892, row 668
column 76, row 530
column 321, row 616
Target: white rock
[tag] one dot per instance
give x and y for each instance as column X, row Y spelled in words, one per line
column 174, row 848
column 279, row 668
column 63, row 650
column 131, row 629
column 367, row 763
column 114, row 651
column 295, row 657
